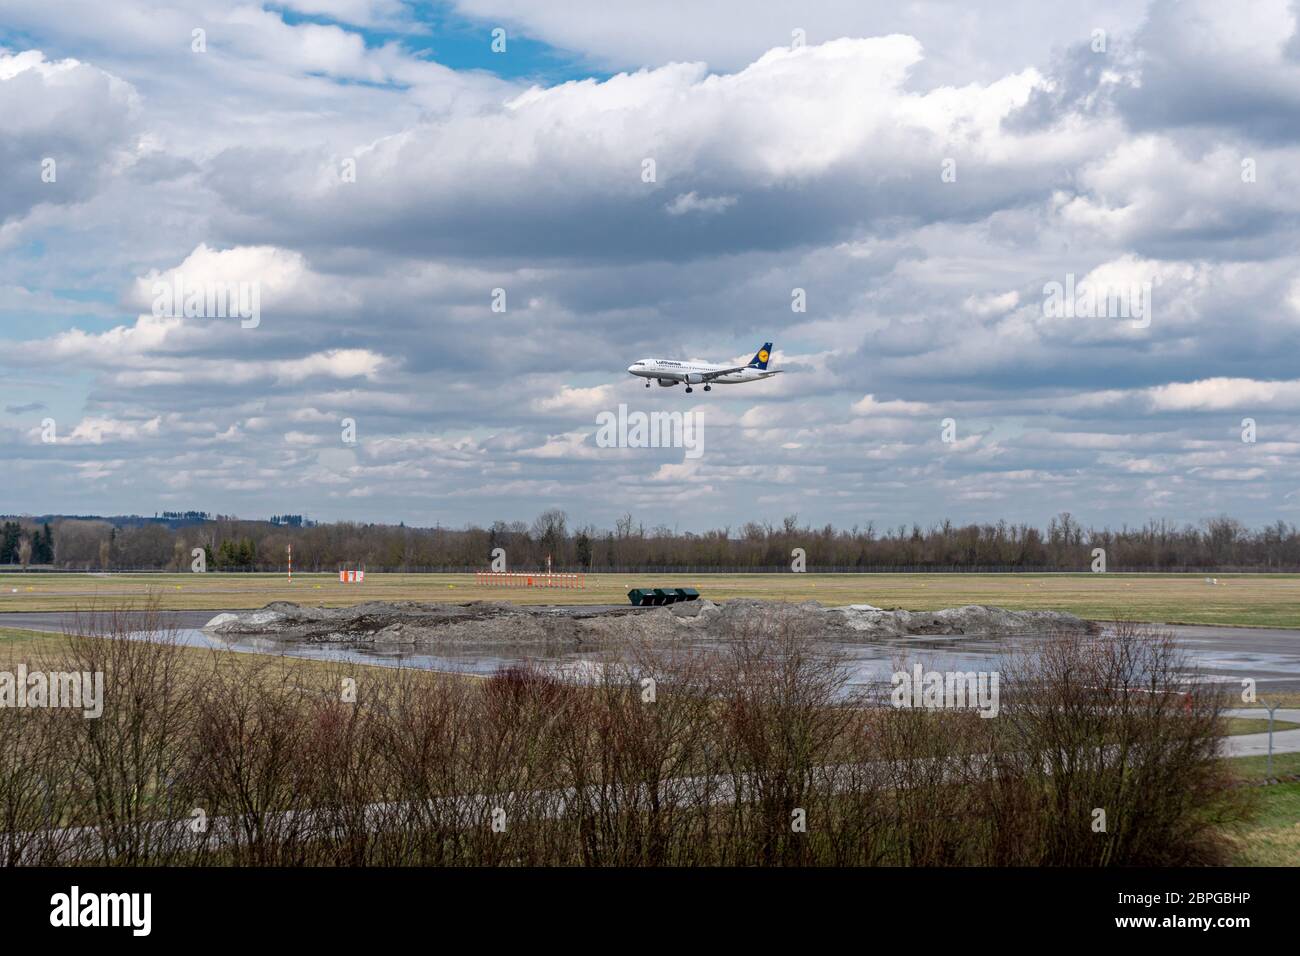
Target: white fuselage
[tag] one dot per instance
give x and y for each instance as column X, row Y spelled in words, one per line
column 691, row 372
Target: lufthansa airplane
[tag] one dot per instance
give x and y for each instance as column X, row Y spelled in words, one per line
column 669, row 373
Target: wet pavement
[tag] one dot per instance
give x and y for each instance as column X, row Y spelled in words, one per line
column 1257, row 745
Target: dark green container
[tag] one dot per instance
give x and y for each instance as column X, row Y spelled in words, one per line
column 654, row 597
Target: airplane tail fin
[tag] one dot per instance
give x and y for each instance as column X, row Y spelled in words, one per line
column 761, row 356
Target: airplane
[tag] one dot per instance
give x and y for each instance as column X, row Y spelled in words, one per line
column 669, row 373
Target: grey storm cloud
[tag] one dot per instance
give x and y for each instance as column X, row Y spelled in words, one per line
column 803, row 146
column 1201, row 70
column 62, row 151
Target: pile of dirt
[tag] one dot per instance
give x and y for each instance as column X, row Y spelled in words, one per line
column 411, row 622
column 968, row 619
column 491, row 622
column 865, row 622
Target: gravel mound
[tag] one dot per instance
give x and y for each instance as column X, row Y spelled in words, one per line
column 411, row 622
column 969, row 619
column 491, row 622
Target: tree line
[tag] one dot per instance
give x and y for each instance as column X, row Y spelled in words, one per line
column 1219, row 543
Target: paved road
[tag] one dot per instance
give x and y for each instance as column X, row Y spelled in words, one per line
column 1268, row 654
column 1256, row 745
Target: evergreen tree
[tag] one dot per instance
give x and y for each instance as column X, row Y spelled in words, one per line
column 10, row 535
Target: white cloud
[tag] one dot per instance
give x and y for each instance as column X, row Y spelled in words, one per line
column 1219, row 394
column 97, row 430
column 703, row 205
column 867, row 405
column 992, row 304
column 572, row 401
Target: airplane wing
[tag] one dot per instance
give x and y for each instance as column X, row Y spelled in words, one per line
column 710, row 376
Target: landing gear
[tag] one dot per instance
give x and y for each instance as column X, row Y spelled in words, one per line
column 647, row 384
column 708, row 388
column 689, row 390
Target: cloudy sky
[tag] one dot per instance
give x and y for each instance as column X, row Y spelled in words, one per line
column 925, row 173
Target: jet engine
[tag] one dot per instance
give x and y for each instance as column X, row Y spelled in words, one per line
column 694, row 378
column 667, row 382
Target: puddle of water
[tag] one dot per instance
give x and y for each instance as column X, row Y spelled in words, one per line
column 865, row 664
column 466, row 658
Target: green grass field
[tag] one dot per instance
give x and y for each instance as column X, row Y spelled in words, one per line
column 1273, row 837
column 1257, row 725
column 50, row 650
column 1259, row 600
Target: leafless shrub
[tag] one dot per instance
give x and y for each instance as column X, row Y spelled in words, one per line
column 128, row 767
column 781, row 721
column 1116, row 724
column 419, row 748
column 644, row 773
column 36, row 787
column 251, row 733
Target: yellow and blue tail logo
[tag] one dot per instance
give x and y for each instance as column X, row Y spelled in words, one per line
column 761, row 356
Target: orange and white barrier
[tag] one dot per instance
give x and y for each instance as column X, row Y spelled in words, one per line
column 526, row 579
column 351, row 577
